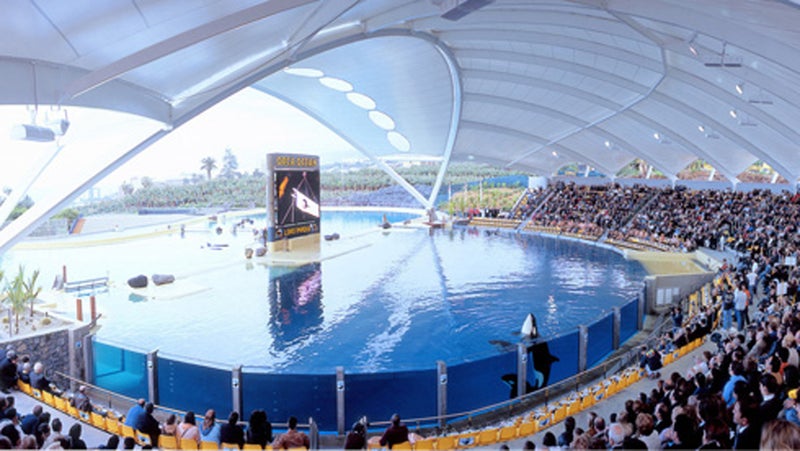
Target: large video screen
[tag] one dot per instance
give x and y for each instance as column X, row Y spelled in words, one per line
column 293, row 195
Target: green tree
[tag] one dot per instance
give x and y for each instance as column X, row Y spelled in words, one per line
column 208, row 164
column 229, row 165
column 127, row 188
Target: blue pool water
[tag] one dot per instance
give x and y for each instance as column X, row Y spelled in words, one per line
column 393, row 301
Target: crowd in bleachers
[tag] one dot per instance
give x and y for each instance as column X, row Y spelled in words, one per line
column 668, row 218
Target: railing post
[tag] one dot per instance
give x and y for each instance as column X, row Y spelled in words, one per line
column 617, row 321
column 583, row 341
column 236, row 389
column 522, row 368
column 640, row 310
column 441, row 392
column 313, row 432
column 152, row 376
column 88, row 357
column 340, row 392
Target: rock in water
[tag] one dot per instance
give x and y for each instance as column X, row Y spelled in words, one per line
column 139, row 281
column 161, row 279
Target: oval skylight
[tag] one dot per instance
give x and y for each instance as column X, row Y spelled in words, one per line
column 336, row 84
column 398, row 141
column 304, row 72
column 361, row 100
column 381, row 119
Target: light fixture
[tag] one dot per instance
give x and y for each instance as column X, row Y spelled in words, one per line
column 740, row 88
column 608, row 144
column 31, row 132
column 555, row 154
column 733, row 114
column 707, row 131
column 304, row 72
column 657, row 136
column 337, row 84
column 38, row 133
column 661, row 138
column 693, row 46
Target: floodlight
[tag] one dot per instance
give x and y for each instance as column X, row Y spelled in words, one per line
column 29, row 132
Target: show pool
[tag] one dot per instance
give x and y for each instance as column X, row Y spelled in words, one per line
column 401, row 300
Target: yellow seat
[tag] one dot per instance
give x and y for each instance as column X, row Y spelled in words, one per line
column 209, row 445
column 188, row 443
column 560, row 413
column 37, row 394
column 127, row 431
column 24, row 387
column 402, row 446
column 98, row 421
column 507, row 433
column 113, row 426
column 527, row 428
column 85, row 417
column 466, row 440
column 669, row 358
column 169, row 442
column 143, row 439
column 61, row 404
column 426, row 444
column 48, row 398
column 254, row 446
column 233, row 446
column 447, row 442
column 488, row 436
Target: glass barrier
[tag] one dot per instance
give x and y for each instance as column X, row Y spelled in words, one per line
column 601, row 340
column 194, row 387
column 412, row 394
column 629, row 320
column 120, row 370
column 285, row 395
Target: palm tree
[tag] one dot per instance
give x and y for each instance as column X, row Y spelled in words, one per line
column 15, row 294
column 31, row 290
column 208, row 165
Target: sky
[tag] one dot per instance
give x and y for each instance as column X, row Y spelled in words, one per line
column 250, row 123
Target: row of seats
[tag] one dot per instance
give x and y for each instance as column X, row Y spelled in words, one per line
column 114, row 425
column 495, row 222
column 544, row 417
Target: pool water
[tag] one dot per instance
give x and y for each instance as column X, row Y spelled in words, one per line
column 396, row 300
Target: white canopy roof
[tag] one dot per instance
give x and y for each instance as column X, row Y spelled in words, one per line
column 528, row 84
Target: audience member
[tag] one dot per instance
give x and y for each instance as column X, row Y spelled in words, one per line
column 395, row 433
column 259, row 429
column 292, row 438
column 209, row 429
column 231, row 432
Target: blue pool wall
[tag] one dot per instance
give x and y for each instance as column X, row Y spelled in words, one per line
column 471, row 386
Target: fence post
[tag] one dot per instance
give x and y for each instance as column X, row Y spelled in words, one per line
column 640, row 310
column 236, row 387
column 522, row 368
column 152, row 376
column 583, row 341
column 79, row 309
column 441, row 392
column 617, row 316
column 340, row 392
column 88, row 357
column 313, row 431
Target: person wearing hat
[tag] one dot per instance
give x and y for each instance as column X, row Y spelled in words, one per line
column 8, row 371
column 81, row 400
column 395, row 433
column 791, row 408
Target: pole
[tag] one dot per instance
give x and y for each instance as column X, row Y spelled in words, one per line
column 79, row 309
